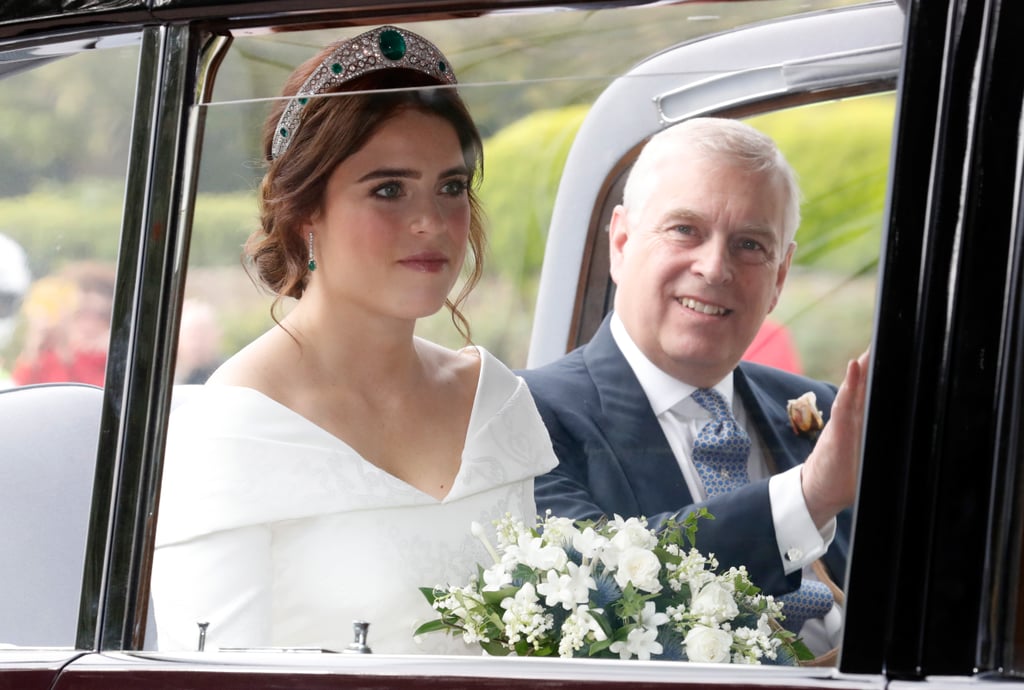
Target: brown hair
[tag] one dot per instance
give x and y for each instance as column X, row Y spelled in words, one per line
column 332, row 129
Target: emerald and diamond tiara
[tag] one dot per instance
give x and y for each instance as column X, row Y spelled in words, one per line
column 383, row 48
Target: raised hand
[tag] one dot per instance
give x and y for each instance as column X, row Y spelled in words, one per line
column 829, row 476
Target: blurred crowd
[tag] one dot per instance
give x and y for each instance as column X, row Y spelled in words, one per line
column 66, row 326
column 56, row 327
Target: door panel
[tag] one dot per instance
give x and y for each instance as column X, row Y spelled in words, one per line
column 66, row 109
column 26, row 669
column 242, row 671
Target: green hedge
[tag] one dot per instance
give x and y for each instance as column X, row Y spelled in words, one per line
column 83, row 221
column 524, row 164
column 840, row 151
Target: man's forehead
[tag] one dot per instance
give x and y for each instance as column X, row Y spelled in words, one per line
column 663, row 176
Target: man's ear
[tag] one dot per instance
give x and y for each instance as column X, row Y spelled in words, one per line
column 618, row 235
column 780, row 276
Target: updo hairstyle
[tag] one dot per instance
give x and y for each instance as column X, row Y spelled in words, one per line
column 332, row 129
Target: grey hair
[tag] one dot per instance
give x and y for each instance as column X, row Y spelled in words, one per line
column 736, row 141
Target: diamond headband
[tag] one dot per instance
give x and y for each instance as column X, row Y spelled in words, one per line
column 382, row 48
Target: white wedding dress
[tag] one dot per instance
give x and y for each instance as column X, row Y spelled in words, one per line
column 278, row 534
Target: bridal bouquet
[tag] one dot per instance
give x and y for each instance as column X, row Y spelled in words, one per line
column 611, row 589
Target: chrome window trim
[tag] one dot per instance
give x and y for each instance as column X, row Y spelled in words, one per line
column 161, row 170
column 20, row 54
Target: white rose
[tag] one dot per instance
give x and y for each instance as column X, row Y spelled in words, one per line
column 632, row 532
column 639, row 566
column 715, row 602
column 709, row 645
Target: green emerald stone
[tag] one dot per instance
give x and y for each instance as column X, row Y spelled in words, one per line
column 337, row 68
column 392, row 45
column 312, row 265
column 442, row 66
column 284, row 132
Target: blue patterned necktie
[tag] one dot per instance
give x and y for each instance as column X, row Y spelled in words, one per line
column 720, row 454
column 721, row 449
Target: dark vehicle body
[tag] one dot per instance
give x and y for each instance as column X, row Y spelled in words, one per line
column 934, row 590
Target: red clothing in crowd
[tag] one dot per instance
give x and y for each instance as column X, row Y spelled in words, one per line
column 773, row 345
column 49, row 367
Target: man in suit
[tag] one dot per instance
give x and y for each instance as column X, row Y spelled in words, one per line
column 700, row 249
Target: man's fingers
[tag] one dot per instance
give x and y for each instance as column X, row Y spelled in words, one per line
column 853, row 390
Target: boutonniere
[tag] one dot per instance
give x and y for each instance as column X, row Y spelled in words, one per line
column 804, row 415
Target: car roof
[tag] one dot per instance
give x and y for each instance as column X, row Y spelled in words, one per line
column 27, row 17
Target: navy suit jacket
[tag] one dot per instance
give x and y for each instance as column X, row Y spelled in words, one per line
column 614, row 457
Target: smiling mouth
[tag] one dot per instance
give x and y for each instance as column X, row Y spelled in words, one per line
column 702, row 308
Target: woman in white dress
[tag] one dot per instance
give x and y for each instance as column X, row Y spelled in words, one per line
column 335, row 464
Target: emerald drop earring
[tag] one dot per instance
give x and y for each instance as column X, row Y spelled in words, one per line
column 312, row 260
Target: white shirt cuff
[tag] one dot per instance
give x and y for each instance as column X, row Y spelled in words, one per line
column 800, row 542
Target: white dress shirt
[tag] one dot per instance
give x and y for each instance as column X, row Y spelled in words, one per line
column 800, row 543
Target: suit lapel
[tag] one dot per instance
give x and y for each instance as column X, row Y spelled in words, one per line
column 633, row 433
column 766, row 410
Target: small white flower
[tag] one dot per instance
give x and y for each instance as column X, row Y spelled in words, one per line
column 750, row 645
column 639, row 566
column 524, row 596
column 589, row 543
column 584, row 615
column 710, row 645
column 650, row 617
column 531, row 551
column 640, row 643
column 524, row 617
column 508, row 530
column 496, row 577
column 579, row 627
column 567, row 589
column 773, row 608
column 559, row 531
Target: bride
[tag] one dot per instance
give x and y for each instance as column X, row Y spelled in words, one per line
column 335, row 464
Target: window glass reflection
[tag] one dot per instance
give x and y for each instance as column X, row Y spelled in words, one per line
column 529, row 123
column 529, row 79
column 63, row 157
column 840, row 151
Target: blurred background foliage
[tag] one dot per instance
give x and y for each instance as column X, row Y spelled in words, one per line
column 840, row 151
column 529, row 80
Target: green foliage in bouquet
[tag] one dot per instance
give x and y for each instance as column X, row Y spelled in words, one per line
column 614, row 588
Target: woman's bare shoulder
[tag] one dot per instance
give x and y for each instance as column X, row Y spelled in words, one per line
column 257, row 365
column 462, row 365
